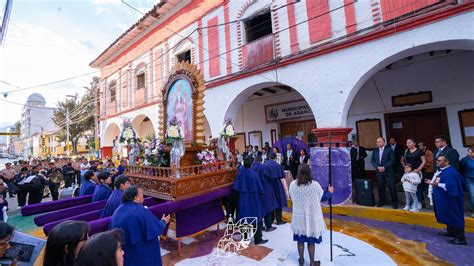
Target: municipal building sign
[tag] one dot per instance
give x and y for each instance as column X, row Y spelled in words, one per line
column 294, row 110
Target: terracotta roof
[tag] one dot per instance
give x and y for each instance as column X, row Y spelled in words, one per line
column 158, row 10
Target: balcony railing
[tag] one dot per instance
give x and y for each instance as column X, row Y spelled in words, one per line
column 258, row 52
column 162, row 183
column 169, row 172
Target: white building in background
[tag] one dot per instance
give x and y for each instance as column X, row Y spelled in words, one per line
column 35, row 118
column 355, row 70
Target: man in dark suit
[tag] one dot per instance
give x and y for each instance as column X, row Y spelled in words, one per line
column 358, row 155
column 256, row 152
column 248, row 151
column 383, row 160
column 398, row 150
column 442, row 149
column 291, row 160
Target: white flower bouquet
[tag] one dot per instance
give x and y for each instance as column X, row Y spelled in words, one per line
column 128, row 134
column 228, row 129
column 174, row 131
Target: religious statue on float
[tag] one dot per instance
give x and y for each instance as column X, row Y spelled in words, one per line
column 128, row 136
column 224, row 138
column 174, row 135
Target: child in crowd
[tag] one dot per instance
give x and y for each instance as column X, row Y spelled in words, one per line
column 410, row 182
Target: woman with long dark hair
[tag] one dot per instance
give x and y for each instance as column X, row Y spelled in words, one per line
column 65, row 242
column 307, row 222
column 103, row 249
column 416, row 158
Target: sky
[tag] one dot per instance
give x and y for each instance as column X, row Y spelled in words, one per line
column 50, row 40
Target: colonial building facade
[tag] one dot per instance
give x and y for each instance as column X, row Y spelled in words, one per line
column 357, row 69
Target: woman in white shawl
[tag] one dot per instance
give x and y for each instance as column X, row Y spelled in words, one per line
column 307, row 220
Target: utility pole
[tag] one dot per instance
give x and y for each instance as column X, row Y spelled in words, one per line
column 96, row 117
column 67, row 130
column 67, row 124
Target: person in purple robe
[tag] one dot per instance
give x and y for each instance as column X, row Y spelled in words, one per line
column 269, row 202
column 103, row 190
column 448, row 188
column 273, row 171
column 89, row 184
column 121, row 183
column 249, row 187
column 141, row 229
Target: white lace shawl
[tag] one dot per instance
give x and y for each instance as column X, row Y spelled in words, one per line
column 307, row 215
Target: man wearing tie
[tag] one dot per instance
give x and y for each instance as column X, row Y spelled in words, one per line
column 383, row 160
column 442, row 149
column 358, row 155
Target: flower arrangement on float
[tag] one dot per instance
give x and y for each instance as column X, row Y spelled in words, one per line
column 174, row 136
column 128, row 134
column 174, row 131
column 206, row 157
column 154, row 154
column 228, row 129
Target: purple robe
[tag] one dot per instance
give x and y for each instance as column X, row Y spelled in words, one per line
column 449, row 203
column 141, row 234
column 87, row 188
column 249, row 186
column 112, row 204
column 101, row 192
column 269, row 201
column 273, row 171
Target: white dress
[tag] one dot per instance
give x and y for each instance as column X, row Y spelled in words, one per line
column 307, row 215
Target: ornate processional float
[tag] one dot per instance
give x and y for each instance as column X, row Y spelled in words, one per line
column 192, row 169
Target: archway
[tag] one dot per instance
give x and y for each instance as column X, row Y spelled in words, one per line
column 111, row 132
column 268, row 111
column 143, row 126
column 407, row 91
column 207, row 131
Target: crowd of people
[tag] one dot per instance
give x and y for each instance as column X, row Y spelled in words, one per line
column 133, row 238
column 258, row 191
column 290, row 159
column 438, row 176
column 31, row 181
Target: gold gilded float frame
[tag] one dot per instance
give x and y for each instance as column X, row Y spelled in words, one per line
column 192, row 74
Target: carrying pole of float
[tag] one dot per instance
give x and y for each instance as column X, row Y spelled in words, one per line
column 330, row 198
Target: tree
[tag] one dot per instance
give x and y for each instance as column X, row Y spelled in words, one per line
column 81, row 117
column 92, row 95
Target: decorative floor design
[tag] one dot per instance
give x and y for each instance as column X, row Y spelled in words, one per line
column 356, row 241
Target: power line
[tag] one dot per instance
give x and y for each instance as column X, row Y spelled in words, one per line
column 145, row 55
column 322, row 44
column 179, row 42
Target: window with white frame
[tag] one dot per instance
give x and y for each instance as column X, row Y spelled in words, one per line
column 113, row 90
column 140, row 77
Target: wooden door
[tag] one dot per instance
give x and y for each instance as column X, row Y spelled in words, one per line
column 421, row 125
column 240, row 143
column 290, row 129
